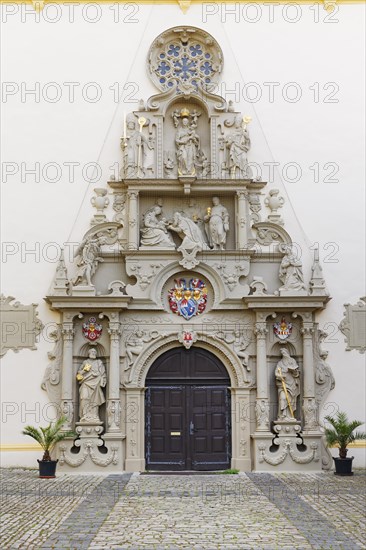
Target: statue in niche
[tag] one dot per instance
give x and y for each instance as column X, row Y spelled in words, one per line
column 189, row 233
column 92, row 379
column 133, row 144
column 217, row 224
column 291, row 272
column 89, row 253
column 154, row 231
column 187, row 143
column 237, row 145
column 287, row 375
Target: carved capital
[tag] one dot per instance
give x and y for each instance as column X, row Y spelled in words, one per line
column 242, row 194
column 133, row 195
column 260, row 330
column 307, row 330
column 68, row 332
column 114, row 331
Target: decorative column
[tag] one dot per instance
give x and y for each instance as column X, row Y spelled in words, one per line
column 262, row 405
column 241, row 219
column 67, row 379
column 309, row 404
column 133, row 226
column 113, row 397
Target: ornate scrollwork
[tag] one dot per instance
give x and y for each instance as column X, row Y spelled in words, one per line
column 112, row 457
column 288, row 450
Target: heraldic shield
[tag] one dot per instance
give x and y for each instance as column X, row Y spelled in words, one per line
column 92, row 330
column 189, row 299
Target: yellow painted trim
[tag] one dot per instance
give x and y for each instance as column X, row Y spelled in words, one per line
column 183, row 2
column 360, row 443
column 13, row 447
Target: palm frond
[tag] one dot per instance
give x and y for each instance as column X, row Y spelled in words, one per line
column 342, row 431
column 48, row 436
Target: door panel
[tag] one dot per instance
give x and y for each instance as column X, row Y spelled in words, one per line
column 187, row 427
column 165, row 423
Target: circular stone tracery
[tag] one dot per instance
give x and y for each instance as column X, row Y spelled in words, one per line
column 188, row 57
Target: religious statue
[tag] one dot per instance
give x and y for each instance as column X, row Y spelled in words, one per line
column 237, row 145
column 154, row 231
column 291, row 273
column 287, row 375
column 216, row 224
column 92, row 378
column 89, row 253
column 187, row 143
column 133, row 144
column 188, row 231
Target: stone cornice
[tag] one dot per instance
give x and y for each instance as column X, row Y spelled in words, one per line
column 284, row 303
column 178, row 185
column 88, row 303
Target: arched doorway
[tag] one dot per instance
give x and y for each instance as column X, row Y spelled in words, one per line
column 187, row 412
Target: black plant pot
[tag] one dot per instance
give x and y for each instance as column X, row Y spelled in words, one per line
column 343, row 466
column 47, row 468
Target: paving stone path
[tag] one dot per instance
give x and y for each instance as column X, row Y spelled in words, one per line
column 203, row 512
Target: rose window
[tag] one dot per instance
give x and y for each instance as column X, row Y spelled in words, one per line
column 185, row 57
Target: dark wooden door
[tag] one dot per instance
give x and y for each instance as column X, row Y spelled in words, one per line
column 187, row 422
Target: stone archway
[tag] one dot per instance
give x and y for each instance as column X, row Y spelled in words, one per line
column 240, row 409
column 187, row 412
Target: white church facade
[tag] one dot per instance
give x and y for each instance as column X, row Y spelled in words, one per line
column 193, row 325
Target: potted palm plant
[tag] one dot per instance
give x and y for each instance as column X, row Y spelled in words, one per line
column 47, row 438
column 341, row 433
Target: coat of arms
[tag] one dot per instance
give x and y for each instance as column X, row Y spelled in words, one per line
column 188, row 299
column 92, row 330
column 283, row 329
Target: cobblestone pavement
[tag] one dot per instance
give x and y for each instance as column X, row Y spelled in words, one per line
column 207, row 512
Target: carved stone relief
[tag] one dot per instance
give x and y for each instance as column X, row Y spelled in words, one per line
column 274, row 201
column 51, row 382
column 353, row 325
column 20, row 325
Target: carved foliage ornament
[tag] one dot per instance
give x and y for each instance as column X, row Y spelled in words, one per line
column 188, row 299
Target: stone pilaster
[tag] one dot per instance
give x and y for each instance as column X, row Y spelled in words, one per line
column 135, row 420
column 133, row 226
column 262, row 404
column 307, row 331
column 67, row 380
column 241, row 219
column 240, row 415
column 113, row 398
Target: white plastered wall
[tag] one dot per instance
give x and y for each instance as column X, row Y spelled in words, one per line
column 305, row 132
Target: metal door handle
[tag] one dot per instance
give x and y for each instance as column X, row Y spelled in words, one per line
column 191, row 428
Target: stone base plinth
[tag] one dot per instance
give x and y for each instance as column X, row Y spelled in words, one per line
column 82, row 290
column 96, row 453
column 294, row 293
column 135, row 465
column 288, row 450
